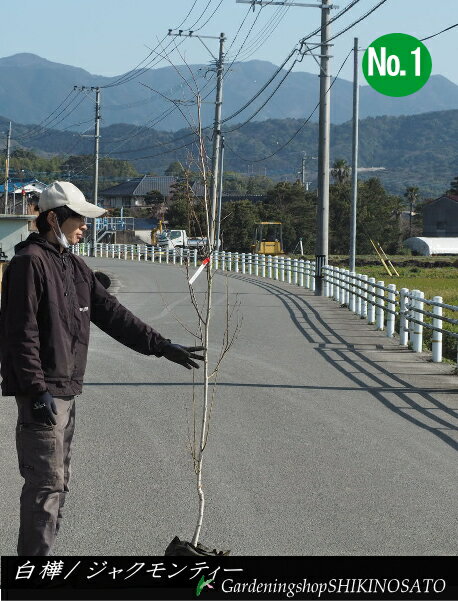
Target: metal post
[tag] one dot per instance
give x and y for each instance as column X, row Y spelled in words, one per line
column 417, row 338
column 351, row 286
column 307, row 274
column 391, row 308
column 216, row 137
column 7, row 169
column 403, row 321
column 437, row 336
column 354, row 168
column 358, row 292
column 364, row 299
column 371, row 302
column 323, row 151
column 379, row 313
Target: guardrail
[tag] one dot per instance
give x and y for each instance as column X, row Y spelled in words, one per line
column 138, row 252
column 394, row 311
column 391, row 310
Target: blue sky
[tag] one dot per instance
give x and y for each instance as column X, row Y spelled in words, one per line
column 109, row 37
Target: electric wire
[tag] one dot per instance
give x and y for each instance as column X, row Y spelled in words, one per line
column 209, row 18
column 134, row 74
column 302, row 43
column 266, row 101
column 298, row 130
column 42, row 125
column 264, row 34
column 439, row 32
column 120, row 81
column 48, row 132
column 331, row 20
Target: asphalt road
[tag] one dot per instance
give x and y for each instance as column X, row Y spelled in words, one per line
column 326, row 437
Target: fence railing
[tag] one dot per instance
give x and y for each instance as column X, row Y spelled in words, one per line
column 395, row 311
column 138, row 252
column 400, row 312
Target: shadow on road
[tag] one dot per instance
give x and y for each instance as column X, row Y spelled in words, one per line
column 320, row 333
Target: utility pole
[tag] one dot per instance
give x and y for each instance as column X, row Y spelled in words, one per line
column 217, row 121
column 354, row 167
column 303, row 170
column 7, row 168
column 220, row 195
column 216, row 138
column 95, row 186
column 96, row 158
column 321, row 256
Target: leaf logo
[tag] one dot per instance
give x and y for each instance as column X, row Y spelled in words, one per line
column 202, row 584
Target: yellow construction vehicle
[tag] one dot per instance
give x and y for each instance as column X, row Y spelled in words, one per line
column 154, row 232
column 268, row 238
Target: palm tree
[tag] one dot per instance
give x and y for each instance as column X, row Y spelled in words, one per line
column 341, row 171
column 412, row 193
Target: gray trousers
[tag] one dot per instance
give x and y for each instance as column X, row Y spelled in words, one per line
column 44, row 453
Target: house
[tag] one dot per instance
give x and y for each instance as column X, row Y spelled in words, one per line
column 133, row 192
column 440, row 217
column 20, row 192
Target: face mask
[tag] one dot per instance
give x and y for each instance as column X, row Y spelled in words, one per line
column 61, row 237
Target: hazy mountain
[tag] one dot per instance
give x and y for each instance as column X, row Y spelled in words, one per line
column 31, row 89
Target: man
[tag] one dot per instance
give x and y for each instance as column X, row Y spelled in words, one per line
column 49, row 297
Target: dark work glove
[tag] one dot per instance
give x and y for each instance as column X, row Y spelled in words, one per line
column 43, row 407
column 182, row 354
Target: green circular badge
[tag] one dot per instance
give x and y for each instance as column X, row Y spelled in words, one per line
column 397, row 64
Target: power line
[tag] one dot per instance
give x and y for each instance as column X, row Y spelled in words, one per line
column 46, row 132
column 266, row 101
column 41, row 125
column 302, row 42
column 331, row 20
column 133, row 74
column 439, row 32
column 298, row 130
column 264, row 34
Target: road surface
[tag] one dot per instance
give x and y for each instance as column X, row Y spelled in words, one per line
column 326, row 437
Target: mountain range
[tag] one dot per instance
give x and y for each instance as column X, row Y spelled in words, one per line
column 31, row 89
column 417, row 150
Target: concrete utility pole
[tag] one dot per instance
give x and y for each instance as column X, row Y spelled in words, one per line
column 354, row 167
column 217, row 121
column 220, row 195
column 303, row 170
column 96, row 157
column 216, row 139
column 7, row 169
column 321, row 257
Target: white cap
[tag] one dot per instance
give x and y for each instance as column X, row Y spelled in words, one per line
column 65, row 194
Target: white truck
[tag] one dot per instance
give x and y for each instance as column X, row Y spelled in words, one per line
column 169, row 239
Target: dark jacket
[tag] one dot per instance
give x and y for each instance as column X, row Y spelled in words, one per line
column 48, row 300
